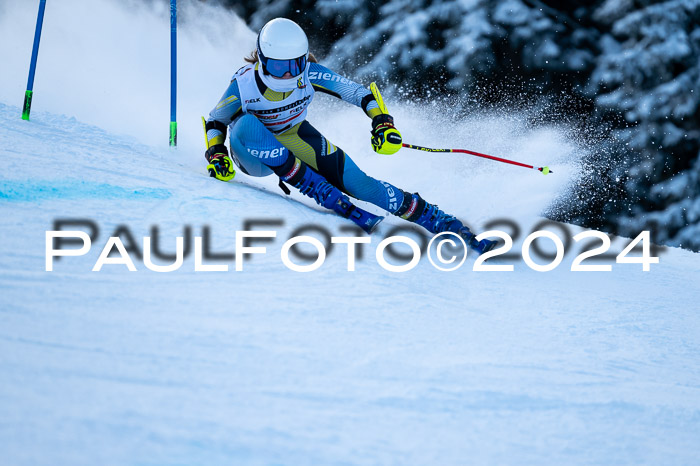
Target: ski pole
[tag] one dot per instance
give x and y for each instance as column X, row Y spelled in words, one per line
column 544, row 170
column 380, row 103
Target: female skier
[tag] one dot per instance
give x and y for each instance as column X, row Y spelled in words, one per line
column 265, row 108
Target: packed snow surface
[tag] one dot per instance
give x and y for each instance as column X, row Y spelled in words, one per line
column 271, row 366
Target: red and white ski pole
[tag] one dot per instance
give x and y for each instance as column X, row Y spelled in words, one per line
column 544, row 170
column 380, row 102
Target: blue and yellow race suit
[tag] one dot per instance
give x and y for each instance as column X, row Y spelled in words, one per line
column 268, row 130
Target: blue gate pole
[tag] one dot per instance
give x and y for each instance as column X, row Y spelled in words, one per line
column 32, row 66
column 173, row 72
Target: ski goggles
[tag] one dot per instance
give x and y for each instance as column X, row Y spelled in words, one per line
column 278, row 68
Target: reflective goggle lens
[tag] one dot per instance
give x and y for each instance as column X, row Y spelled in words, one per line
column 278, row 68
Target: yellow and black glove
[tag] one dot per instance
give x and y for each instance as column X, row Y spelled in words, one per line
column 220, row 163
column 386, row 139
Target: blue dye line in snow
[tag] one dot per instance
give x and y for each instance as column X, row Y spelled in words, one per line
column 24, row 191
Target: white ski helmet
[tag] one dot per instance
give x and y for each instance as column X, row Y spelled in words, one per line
column 282, row 47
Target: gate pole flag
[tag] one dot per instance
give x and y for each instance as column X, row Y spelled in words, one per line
column 32, row 66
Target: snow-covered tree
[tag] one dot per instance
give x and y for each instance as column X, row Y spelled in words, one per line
column 628, row 71
column 649, row 71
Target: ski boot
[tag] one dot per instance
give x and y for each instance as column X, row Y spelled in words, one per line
column 415, row 209
column 330, row 197
column 485, row 245
column 363, row 219
column 312, row 184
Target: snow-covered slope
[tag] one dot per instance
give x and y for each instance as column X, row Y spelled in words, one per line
column 270, row 366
